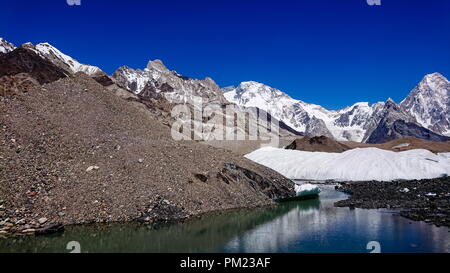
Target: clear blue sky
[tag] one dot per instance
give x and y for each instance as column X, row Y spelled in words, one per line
column 329, row 52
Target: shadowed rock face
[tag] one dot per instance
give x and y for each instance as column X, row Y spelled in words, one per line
column 395, row 122
column 22, row 60
column 317, row 127
column 399, row 128
column 103, row 79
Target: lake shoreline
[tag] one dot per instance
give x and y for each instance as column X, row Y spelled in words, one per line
column 314, row 225
column 41, row 228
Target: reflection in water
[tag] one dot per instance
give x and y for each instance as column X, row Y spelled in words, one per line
column 320, row 227
column 297, row 226
column 274, row 235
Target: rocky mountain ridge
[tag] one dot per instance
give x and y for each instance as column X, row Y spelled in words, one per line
column 424, row 113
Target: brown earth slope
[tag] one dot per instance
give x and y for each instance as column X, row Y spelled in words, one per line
column 403, row 144
column 325, row 144
column 73, row 152
column 317, row 144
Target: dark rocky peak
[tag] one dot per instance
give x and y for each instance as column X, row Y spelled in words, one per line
column 23, row 60
column 390, row 103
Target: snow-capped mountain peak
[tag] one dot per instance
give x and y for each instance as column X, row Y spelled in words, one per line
column 437, row 85
column 361, row 104
column 435, row 80
column 51, row 53
column 255, row 94
column 262, row 89
column 157, row 80
column 74, row 65
column 6, row 46
column 429, row 103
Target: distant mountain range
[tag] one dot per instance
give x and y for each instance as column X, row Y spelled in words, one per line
column 424, row 113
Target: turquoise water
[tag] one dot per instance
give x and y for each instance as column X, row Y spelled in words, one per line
column 296, row 226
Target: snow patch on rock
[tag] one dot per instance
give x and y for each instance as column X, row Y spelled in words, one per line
column 6, row 46
column 51, row 53
column 401, row 145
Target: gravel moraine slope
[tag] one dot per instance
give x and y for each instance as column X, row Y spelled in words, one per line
column 73, row 152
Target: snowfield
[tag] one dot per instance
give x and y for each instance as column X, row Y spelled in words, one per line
column 359, row 164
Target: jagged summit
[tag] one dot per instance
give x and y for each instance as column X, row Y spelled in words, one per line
column 434, row 84
column 429, row 103
column 157, row 80
column 157, row 65
column 390, row 100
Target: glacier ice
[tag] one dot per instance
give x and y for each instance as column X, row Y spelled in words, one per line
column 306, row 190
column 359, row 164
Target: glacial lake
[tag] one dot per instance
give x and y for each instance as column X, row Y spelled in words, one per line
column 296, row 226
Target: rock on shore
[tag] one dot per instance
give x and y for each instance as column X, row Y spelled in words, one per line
column 420, row 200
